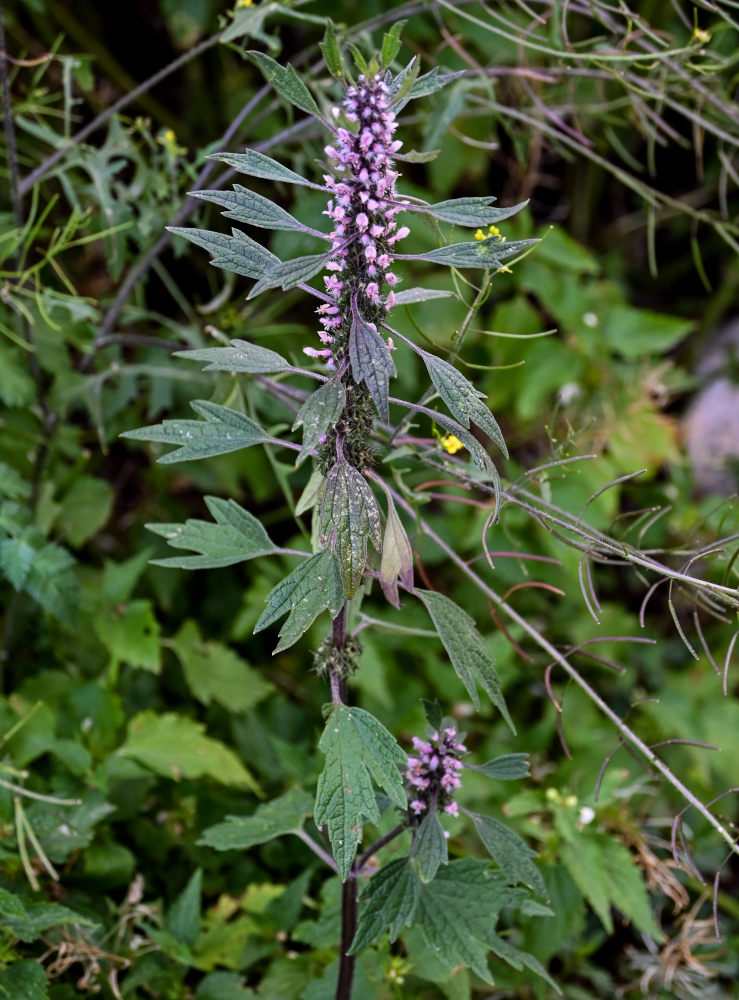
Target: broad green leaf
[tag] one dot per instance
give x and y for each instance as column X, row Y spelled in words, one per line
column 411, row 295
column 606, row 874
column 397, row 556
column 224, row 985
column 177, row 747
column 237, row 253
column 28, row 921
column 462, row 398
column 311, row 588
column 636, row 333
column 318, row 413
column 288, row 273
column 252, row 209
column 519, row 959
column 52, row 582
column 512, row 854
column 349, row 515
column 25, row 979
column 387, row 904
column 183, row 917
column 216, row 673
column 85, row 509
column 235, row 535
column 16, row 558
column 391, row 44
column 238, row 356
column 281, row 816
column 487, row 253
column 130, row 633
column 223, row 431
column 507, row 767
column 431, row 82
column 371, row 360
column 286, row 82
column 311, row 494
column 258, row 165
column 246, row 22
column 430, row 847
column 355, row 744
column 457, row 913
column 467, row 649
column 331, row 51
column 470, row 211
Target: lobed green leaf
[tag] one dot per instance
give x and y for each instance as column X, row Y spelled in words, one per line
column 488, row 253
column 288, row 273
column 256, row 164
column 511, row 852
column 238, row 356
column 469, row 211
column 387, row 904
column 252, row 209
column 237, row 253
column 281, row 816
column 286, row 82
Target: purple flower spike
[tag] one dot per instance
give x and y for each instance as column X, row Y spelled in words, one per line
column 362, row 209
column 433, row 774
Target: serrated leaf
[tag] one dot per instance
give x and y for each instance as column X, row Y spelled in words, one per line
column 85, row 509
column 25, row 979
column 27, row 921
column 235, row 536
column 391, row 44
column 512, row 854
column 256, row 164
column 281, row 816
column 359, row 60
column 238, row 356
column 457, row 913
column 183, row 917
column 507, row 767
column 430, row 847
column 520, row 960
column 177, row 747
column 487, row 253
column 311, row 588
column 130, row 633
column 467, row 649
column 414, row 86
column 16, row 559
column 246, row 22
column 348, row 517
column 387, row 904
column 237, row 253
column 400, row 85
column 355, row 744
column 433, row 713
column 252, row 209
column 470, row 211
column 412, row 295
column 417, row 156
column 288, row 273
column 214, row 672
column 318, row 413
column 371, row 360
column 286, row 82
column 462, row 398
column 331, row 51
column 223, row 431
column 397, row 556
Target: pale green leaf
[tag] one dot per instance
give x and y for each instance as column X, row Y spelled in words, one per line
column 391, row 44
column 16, row 559
column 238, row 356
column 469, row 211
column 430, row 847
column 235, row 536
column 288, row 273
column 349, row 516
column 318, row 413
column 85, row 509
column 286, row 82
column 468, row 651
column 247, row 23
column 331, row 51
column 371, row 360
column 409, row 296
column 507, row 767
column 256, row 164
column 387, row 904
column 512, row 854
column 252, row 209
column 396, row 562
column 130, row 633
column 183, row 917
column 520, row 960
column 25, row 979
column 489, row 253
column 273, row 819
column 237, row 253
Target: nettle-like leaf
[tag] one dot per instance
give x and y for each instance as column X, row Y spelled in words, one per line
column 252, row 209
column 238, row 356
column 318, row 413
column 391, row 44
column 355, row 745
column 397, row 556
column 409, row 296
column 256, row 164
column 235, row 535
column 507, row 767
column 430, row 847
column 223, row 431
column 281, row 816
column 462, row 398
column 247, row 23
column 371, row 360
column 332, row 52
column 311, row 588
column 489, row 253
column 286, row 82
column 469, row 211
column 512, row 854
column 348, row 516
column 28, row 921
column 288, row 273
column 387, row 904
column 520, row 960
column 237, row 253
column 467, row 649
column 457, row 913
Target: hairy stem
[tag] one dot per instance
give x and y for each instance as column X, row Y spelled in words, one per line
column 348, row 930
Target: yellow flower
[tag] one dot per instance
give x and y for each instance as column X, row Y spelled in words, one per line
column 451, row 444
column 701, row 36
column 479, row 235
column 244, row 3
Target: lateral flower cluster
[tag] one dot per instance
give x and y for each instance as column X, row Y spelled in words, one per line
column 362, row 209
column 433, row 775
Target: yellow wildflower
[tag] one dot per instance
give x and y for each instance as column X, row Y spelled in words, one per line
column 479, row 235
column 451, row 444
column 244, row 3
column 701, row 36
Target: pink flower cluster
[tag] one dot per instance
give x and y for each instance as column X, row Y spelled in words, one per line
column 362, row 208
column 434, row 774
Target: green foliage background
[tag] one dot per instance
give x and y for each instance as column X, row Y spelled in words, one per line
column 139, row 709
